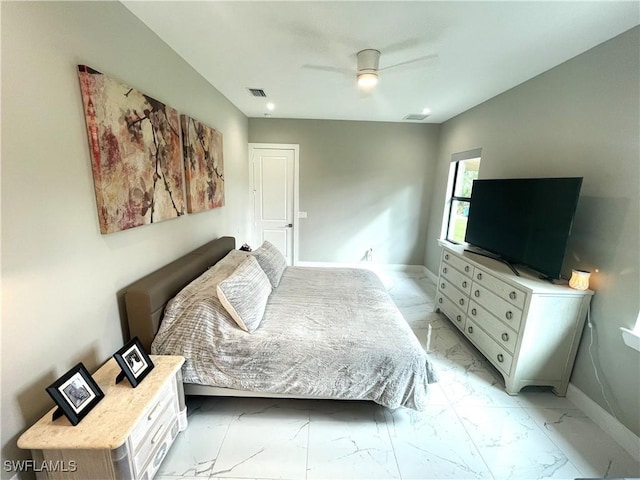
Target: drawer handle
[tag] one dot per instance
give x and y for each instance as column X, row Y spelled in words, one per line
column 440, row 300
column 466, row 269
column 477, row 293
column 509, row 315
column 153, row 412
column 505, row 337
column 157, row 436
column 479, row 276
column 464, row 284
column 500, row 358
column 462, row 301
column 446, row 256
column 512, row 295
column 444, row 270
column 470, row 329
column 459, row 318
column 442, row 285
column 474, row 311
column 160, row 455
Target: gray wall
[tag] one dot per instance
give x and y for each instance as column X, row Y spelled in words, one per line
column 363, row 184
column 581, row 118
column 59, row 275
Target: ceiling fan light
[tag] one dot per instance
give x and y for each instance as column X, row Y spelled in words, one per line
column 367, row 80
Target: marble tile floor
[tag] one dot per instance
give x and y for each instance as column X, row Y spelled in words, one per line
column 471, row 430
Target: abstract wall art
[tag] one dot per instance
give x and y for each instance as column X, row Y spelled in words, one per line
column 134, row 143
column 203, row 165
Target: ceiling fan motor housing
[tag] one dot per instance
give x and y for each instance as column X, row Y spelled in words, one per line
column 368, row 60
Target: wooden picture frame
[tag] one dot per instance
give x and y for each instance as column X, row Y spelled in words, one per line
column 75, row 393
column 134, row 362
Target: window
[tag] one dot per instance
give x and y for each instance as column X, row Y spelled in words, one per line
column 464, row 170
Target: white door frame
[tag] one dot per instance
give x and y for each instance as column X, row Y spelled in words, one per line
column 296, row 188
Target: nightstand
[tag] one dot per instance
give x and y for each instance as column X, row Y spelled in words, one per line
column 126, row 435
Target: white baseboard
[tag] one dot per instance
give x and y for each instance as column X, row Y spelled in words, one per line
column 432, row 276
column 621, row 434
column 386, row 267
column 394, row 267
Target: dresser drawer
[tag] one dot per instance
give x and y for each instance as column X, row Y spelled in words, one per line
column 457, row 278
column 460, row 299
column 503, row 290
column 151, row 414
column 156, row 436
column 495, row 328
column 451, row 311
column 458, row 263
column 505, row 311
column 494, row 352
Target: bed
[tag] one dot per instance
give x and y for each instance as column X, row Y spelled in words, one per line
column 325, row 333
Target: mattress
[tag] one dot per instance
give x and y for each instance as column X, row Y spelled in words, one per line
column 326, row 332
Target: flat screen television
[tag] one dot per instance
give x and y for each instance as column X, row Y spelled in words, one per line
column 524, row 220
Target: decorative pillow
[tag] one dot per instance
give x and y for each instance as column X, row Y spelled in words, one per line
column 244, row 294
column 272, row 262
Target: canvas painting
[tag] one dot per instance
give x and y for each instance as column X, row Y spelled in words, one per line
column 203, row 165
column 134, row 142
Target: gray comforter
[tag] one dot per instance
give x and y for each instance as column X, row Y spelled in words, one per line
column 326, row 332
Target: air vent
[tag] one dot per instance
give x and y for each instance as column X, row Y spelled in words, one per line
column 257, row 92
column 416, row 116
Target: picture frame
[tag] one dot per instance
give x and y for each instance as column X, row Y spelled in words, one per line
column 75, row 393
column 134, row 362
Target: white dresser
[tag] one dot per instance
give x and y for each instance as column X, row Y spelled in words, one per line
column 528, row 328
column 125, row 436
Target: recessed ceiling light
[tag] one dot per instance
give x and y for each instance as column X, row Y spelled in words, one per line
column 426, row 111
column 270, row 106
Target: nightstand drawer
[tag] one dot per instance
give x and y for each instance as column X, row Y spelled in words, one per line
column 458, row 263
column 455, row 277
column 156, row 436
column 500, row 308
column 157, row 456
column 494, row 327
column 503, row 290
column 152, row 413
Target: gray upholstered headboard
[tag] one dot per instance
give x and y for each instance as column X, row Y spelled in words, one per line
column 146, row 299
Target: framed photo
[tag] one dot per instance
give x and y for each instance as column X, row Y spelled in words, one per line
column 75, row 393
column 134, row 362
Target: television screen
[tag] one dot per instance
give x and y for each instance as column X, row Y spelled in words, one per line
column 524, row 220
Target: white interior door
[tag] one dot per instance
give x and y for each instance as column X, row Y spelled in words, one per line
column 274, row 175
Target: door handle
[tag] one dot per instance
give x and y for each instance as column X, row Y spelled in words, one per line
column 290, row 225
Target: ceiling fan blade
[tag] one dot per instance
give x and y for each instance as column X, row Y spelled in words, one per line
column 401, row 46
column 408, row 62
column 326, row 68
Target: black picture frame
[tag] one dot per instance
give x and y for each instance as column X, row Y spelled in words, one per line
column 134, row 362
column 75, row 393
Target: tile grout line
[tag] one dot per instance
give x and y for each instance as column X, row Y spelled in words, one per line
column 386, row 414
column 306, row 465
column 464, row 426
column 585, row 474
column 224, row 438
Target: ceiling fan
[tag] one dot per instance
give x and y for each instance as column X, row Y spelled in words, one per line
column 368, row 68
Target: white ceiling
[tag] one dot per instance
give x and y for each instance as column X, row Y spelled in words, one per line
column 290, row 48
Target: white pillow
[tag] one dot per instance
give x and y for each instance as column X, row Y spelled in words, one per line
column 272, row 262
column 244, row 294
